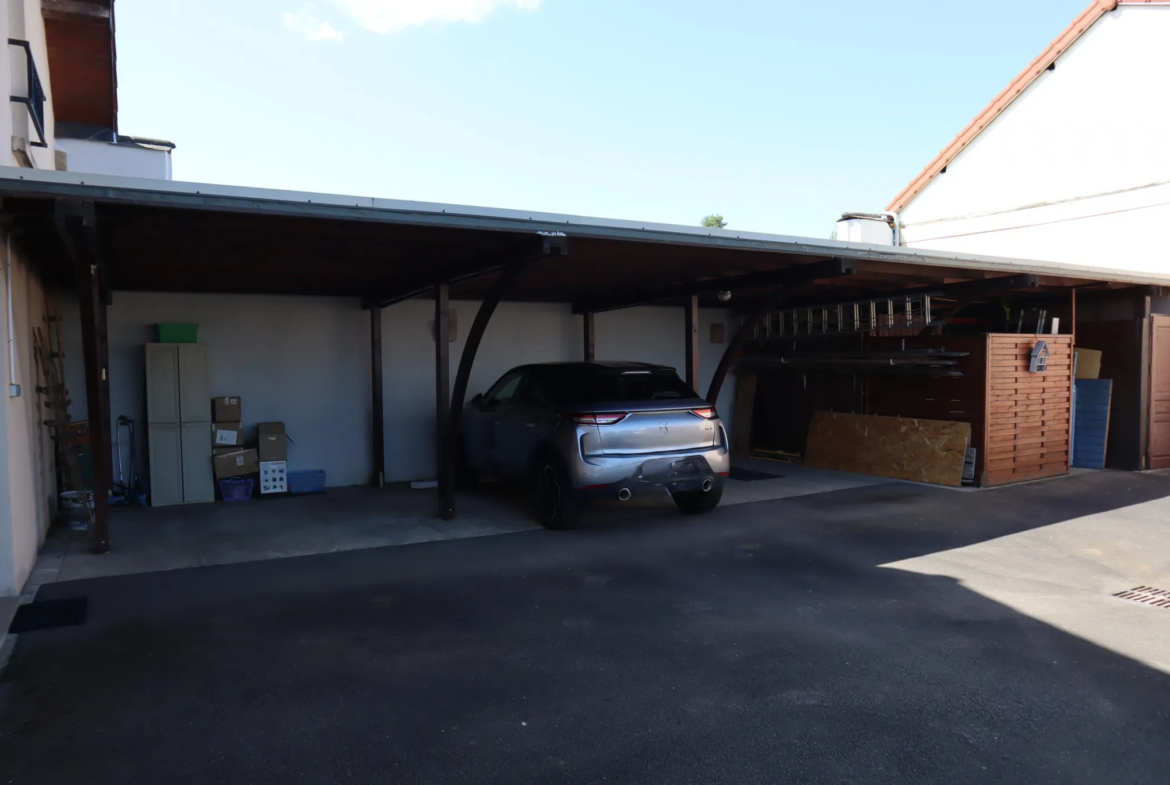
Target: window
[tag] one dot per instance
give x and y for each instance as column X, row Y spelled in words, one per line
column 537, row 391
column 504, row 390
column 628, row 386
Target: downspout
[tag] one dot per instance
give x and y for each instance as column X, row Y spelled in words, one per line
column 893, row 219
column 13, row 387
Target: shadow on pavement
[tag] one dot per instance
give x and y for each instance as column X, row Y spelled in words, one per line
column 762, row 643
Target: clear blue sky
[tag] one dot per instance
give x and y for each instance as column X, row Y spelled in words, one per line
column 779, row 115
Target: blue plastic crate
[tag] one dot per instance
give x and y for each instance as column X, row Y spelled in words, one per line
column 306, row 481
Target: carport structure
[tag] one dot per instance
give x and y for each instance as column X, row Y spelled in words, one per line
column 100, row 234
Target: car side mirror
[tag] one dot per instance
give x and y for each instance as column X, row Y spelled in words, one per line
column 478, row 399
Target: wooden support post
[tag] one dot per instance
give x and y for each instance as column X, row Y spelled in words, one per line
column 77, row 227
column 1072, row 382
column 1145, row 385
column 501, row 285
column 378, row 403
column 589, row 319
column 443, row 443
column 692, row 342
column 97, row 389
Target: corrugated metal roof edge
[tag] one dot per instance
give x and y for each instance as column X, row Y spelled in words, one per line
column 16, row 181
column 1015, row 88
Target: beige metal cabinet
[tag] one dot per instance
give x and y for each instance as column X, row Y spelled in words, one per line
column 166, row 464
column 162, row 383
column 178, row 415
column 198, row 477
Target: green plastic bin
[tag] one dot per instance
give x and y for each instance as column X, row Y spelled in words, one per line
column 177, row 333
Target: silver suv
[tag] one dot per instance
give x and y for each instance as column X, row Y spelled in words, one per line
column 600, row 430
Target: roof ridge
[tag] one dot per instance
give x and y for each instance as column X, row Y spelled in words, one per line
column 1008, row 95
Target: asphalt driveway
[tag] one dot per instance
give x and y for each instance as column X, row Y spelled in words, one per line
column 768, row 642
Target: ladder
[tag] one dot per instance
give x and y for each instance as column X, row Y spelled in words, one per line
column 850, row 318
column 58, row 406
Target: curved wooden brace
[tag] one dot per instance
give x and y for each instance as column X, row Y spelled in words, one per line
column 729, row 355
column 450, row 444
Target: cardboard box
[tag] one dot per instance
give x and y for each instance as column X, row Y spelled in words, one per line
column 273, row 477
column 227, row 434
column 273, row 444
column 236, row 464
column 1088, row 364
column 223, row 450
column 226, row 409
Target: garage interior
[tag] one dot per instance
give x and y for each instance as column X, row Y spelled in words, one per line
column 852, row 363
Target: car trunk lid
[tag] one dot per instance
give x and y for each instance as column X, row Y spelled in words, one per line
column 661, row 430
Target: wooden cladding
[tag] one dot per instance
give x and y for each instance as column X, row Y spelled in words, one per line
column 1028, row 414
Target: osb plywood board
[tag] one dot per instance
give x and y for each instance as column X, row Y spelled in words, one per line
column 899, row 447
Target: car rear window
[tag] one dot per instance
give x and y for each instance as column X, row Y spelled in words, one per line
column 628, row 386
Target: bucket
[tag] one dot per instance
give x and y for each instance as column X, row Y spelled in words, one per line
column 71, row 508
column 237, row 490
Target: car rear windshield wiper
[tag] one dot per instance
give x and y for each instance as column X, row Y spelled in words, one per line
column 666, row 394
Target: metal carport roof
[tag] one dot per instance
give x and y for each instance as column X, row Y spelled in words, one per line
column 174, row 236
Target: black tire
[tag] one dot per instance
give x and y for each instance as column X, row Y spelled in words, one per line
column 466, row 477
column 557, row 503
column 698, row 502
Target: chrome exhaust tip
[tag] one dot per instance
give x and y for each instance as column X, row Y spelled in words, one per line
column 708, row 485
column 624, row 494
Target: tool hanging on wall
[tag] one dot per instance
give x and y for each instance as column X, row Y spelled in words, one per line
column 127, row 488
column 58, row 406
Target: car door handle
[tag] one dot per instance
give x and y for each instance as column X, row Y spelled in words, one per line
column 530, row 424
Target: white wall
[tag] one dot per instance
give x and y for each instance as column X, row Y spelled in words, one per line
column 27, row 474
column 22, row 20
column 124, row 160
column 1077, row 169
column 27, row 477
column 305, row 361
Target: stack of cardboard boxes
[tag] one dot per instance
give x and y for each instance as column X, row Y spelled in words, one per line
column 232, row 459
column 227, row 440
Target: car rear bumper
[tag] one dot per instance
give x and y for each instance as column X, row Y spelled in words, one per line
column 609, row 476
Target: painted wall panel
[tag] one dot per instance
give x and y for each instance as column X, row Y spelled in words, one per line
column 1076, row 170
column 305, row 361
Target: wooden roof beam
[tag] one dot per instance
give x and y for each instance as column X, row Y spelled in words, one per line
column 545, row 247
column 793, row 275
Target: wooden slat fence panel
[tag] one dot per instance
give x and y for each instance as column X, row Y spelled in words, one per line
column 1028, row 414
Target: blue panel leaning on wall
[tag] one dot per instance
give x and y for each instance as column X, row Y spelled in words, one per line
column 1092, row 422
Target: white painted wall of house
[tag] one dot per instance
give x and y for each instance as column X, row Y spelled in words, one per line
column 1077, row 169
column 305, row 361
column 27, row 480
column 22, row 21
column 124, row 160
column 27, row 473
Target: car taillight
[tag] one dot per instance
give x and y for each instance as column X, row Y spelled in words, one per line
column 606, row 418
column 706, row 414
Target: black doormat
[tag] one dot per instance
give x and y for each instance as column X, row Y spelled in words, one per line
column 749, row 474
column 49, row 614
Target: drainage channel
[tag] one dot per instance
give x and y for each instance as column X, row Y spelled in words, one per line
column 1159, row 598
